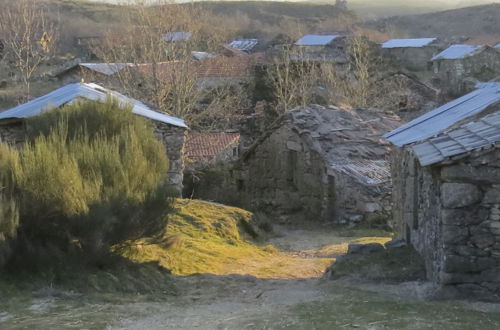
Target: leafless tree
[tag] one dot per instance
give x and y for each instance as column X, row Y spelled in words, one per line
column 292, row 77
column 28, row 35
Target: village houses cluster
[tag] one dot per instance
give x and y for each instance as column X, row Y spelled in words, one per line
column 434, row 179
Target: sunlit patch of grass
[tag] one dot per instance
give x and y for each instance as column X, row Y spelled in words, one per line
column 329, row 251
column 203, row 237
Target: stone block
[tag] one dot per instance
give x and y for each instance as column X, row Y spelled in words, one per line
column 483, row 241
column 468, row 173
column 492, row 195
column 460, row 264
column 463, row 217
column 456, row 195
column 455, row 234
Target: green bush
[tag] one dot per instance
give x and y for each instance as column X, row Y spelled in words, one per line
column 91, row 175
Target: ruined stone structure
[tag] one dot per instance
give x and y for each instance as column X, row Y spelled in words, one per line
column 320, row 164
column 460, row 62
column 170, row 130
column 446, row 179
column 412, row 54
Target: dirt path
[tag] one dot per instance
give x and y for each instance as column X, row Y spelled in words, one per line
column 207, row 301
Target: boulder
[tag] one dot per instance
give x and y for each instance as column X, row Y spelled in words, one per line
column 395, row 244
column 364, row 248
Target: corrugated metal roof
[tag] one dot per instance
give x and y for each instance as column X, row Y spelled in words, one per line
column 107, row 69
column 479, row 134
column 497, row 46
column 245, row 45
column 177, row 36
column 202, row 55
column 72, row 92
column 436, row 121
column 405, row 43
column 456, row 51
column 316, row 40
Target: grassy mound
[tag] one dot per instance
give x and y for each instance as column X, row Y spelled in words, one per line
column 203, row 237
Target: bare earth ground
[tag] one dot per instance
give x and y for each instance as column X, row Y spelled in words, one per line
column 205, row 301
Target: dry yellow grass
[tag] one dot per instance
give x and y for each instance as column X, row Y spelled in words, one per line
column 204, row 237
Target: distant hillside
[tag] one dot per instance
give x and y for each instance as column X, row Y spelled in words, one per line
column 471, row 21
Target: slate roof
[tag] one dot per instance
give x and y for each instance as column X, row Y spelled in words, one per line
column 73, row 92
column 316, row 40
column 202, row 146
column 438, row 120
column 245, row 45
column 177, row 36
column 408, row 43
column 456, row 52
column 478, row 134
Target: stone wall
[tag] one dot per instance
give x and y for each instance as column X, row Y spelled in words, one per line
column 483, row 66
column 451, row 215
column 14, row 133
column 174, row 139
column 284, row 175
column 413, row 58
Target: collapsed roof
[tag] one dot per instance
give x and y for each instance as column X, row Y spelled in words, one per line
column 349, row 140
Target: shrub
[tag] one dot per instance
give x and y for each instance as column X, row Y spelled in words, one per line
column 93, row 175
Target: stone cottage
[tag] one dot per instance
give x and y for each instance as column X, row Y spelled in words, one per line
column 460, row 62
column 413, row 54
column 446, row 191
column 321, row 47
column 320, row 164
column 170, row 130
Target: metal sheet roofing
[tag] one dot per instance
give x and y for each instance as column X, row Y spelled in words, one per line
column 437, row 120
column 479, row 134
column 497, row 46
column 456, row 51
column 245, row 45
column 177, row 36
column 405, row 43
column 316, row 40
column 73, row 92
column 107, row 69
column 202, row 55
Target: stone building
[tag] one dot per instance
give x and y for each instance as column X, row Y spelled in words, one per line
column 319, row 164
column 170, row 130
column 412, row 54
column 319, row 47
column 456, row 64
column 446, row 191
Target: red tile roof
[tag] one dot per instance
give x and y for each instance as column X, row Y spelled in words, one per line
column 209, row 145
column 217, row 67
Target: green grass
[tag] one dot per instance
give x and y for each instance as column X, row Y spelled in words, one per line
column 350, row 308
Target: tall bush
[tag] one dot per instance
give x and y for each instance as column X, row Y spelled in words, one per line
column 92, row 174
